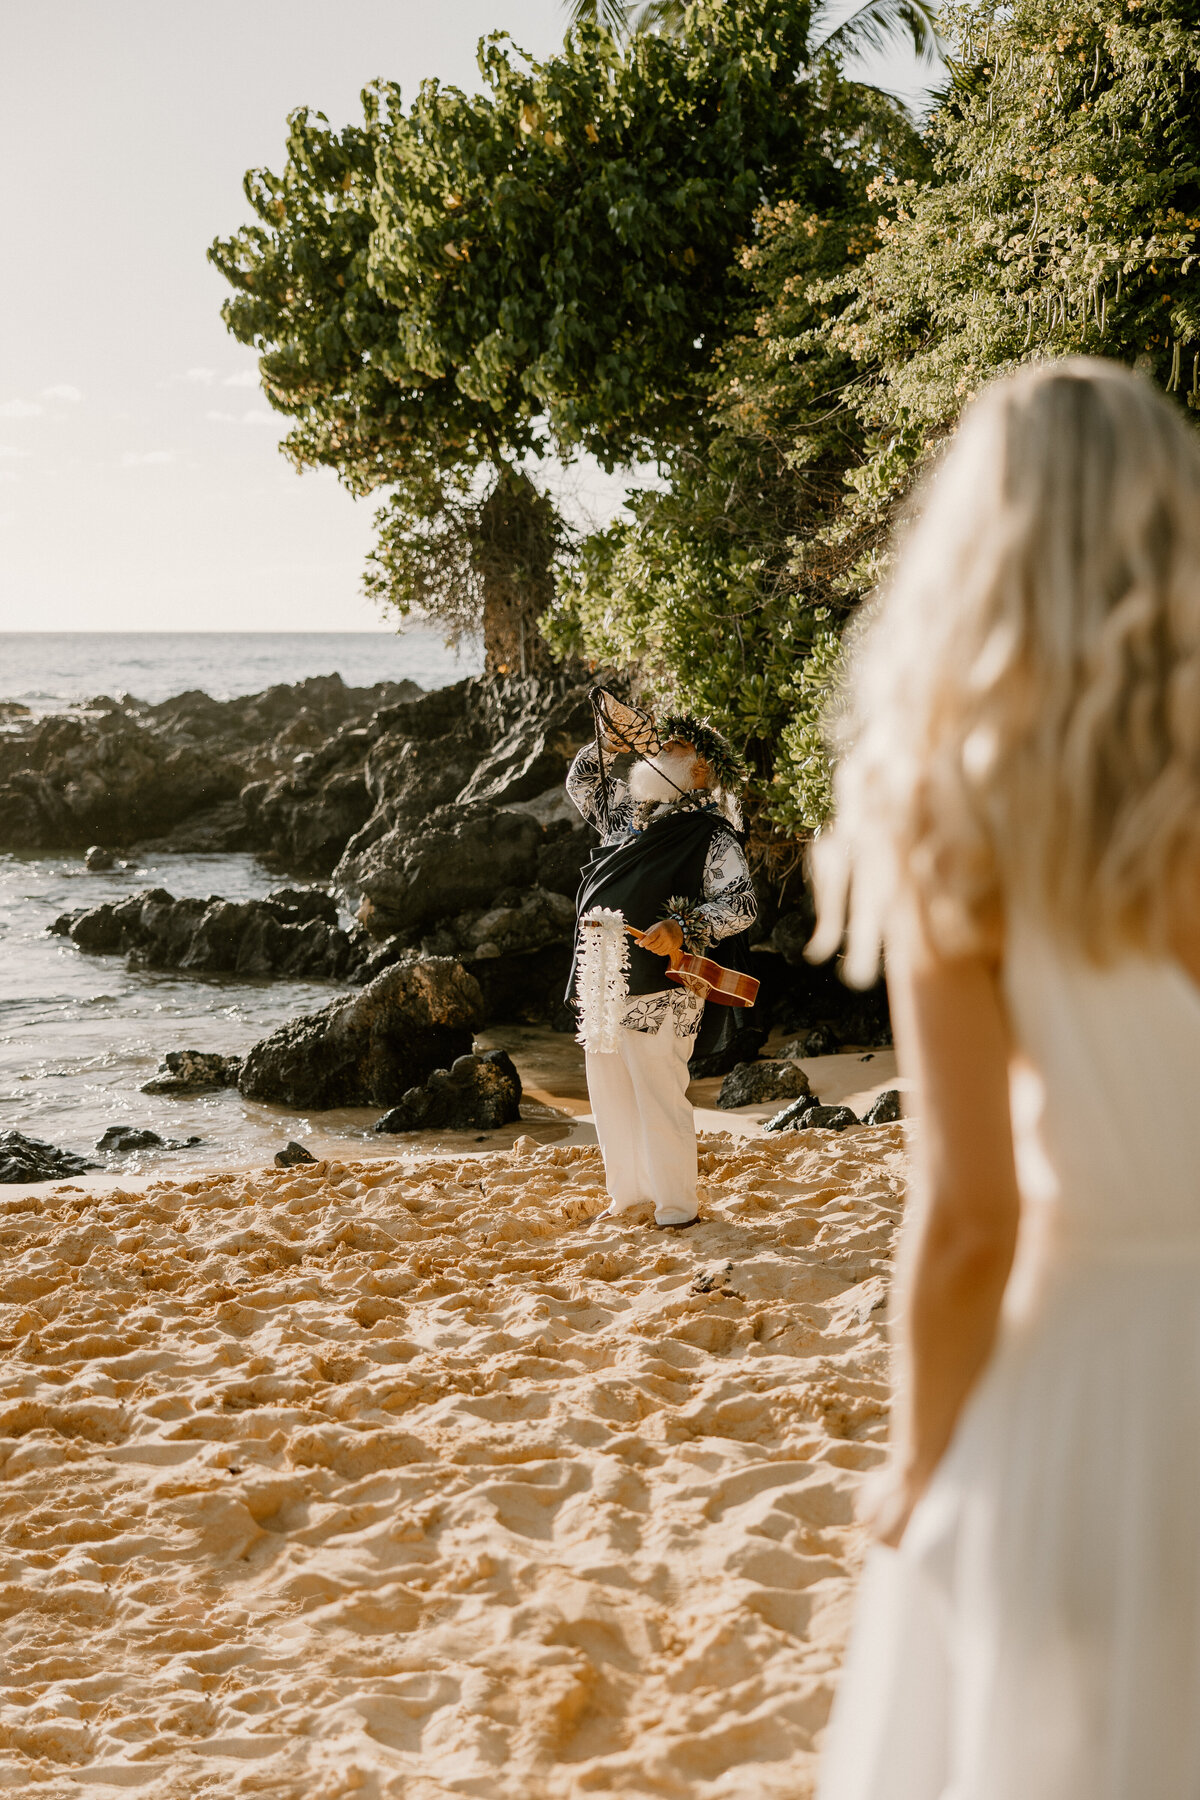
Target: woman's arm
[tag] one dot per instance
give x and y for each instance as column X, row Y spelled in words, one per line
column 960, row 1229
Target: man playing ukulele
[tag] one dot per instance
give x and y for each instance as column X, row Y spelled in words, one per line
column 671, row 861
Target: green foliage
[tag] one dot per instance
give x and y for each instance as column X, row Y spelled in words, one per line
column 441, row 295
column 1061, row 215
column 874, row 25
column 1062, row 219
column 561, row 245
column 880, row 25
column 719, row 585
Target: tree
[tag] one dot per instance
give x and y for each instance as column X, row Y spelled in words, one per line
column 1060, row 214
column 720, row 584
column 1062, row 217
column 442, row 296
column 874, row 25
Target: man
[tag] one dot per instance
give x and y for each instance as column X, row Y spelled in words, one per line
column 671, row 862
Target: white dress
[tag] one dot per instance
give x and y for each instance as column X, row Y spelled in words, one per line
column 1036, row 1636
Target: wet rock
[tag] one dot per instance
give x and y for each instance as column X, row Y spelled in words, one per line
column 526, row 989
column 184, row 1072
column 369, row 1049
column 809, row 1115
column 884, row 1108
column 119, row 772
column 292, row 1155
column 477, row 1093
column 533, row 755
column 753, row 1083
column 293, row 932
column 522, row 922
column 105, row 781
column 97, row 858
column 217, row 831
column 458, row 859
column 124, row 1138
column 561, row 856
column 64, row 922
column 32, row 1159
column 819, row 1041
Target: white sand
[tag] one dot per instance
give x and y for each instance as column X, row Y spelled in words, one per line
column 384, row 1479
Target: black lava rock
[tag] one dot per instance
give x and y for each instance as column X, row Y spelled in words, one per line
column 752, row 1083
column 884, row 1108
column 809, row 1115
column 830, row 1118
column 124, row 1138
column 32, row 1159
column 789, row 1118
column 117, row 772
column 369, row 1049
column 458, row 858
column 293, row 932
column 292, row 1154
column 475, row 1093
column 127, row 1137
column 193, row 1072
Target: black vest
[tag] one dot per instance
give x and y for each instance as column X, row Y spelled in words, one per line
column 637, row 875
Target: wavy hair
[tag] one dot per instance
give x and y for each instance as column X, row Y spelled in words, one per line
column 1020, row 721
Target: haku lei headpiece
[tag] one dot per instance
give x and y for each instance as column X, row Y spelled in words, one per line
column 709, row 743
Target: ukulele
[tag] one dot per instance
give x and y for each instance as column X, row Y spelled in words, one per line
column 706, row 979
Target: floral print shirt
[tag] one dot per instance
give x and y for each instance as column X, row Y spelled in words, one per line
column 728, row 904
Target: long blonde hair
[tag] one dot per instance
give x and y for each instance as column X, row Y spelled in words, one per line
column 1021, row 717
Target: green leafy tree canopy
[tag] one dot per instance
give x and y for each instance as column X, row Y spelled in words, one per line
column 1061, row 215
column 1063, row 218
column 442, row 295
column 718, row 585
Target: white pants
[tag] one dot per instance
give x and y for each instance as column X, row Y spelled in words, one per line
column 644, row 1122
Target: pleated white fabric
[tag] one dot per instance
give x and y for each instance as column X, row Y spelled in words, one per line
column 645, row 1123
column 1036, row 1636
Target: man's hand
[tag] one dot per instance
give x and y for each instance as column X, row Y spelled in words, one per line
column 663, row 939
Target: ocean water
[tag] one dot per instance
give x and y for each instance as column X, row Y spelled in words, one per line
column 79, row 1034
column 50, row 670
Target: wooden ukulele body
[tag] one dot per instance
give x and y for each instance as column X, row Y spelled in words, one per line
column 707, row 979
column 710, row 980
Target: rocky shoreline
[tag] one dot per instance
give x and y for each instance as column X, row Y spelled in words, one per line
column 430, row 860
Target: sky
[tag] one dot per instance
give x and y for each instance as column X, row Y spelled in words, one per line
column 140, row 483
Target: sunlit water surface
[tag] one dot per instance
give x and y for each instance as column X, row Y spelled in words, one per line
column 79, row 1034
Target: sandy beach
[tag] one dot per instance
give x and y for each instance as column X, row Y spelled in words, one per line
column 404, row 1477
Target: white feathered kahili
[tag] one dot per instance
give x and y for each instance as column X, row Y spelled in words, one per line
column 600, row 979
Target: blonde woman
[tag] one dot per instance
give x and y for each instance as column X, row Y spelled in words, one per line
column 1019, row 822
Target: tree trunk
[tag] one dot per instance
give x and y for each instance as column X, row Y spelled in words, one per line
column 519, row 534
